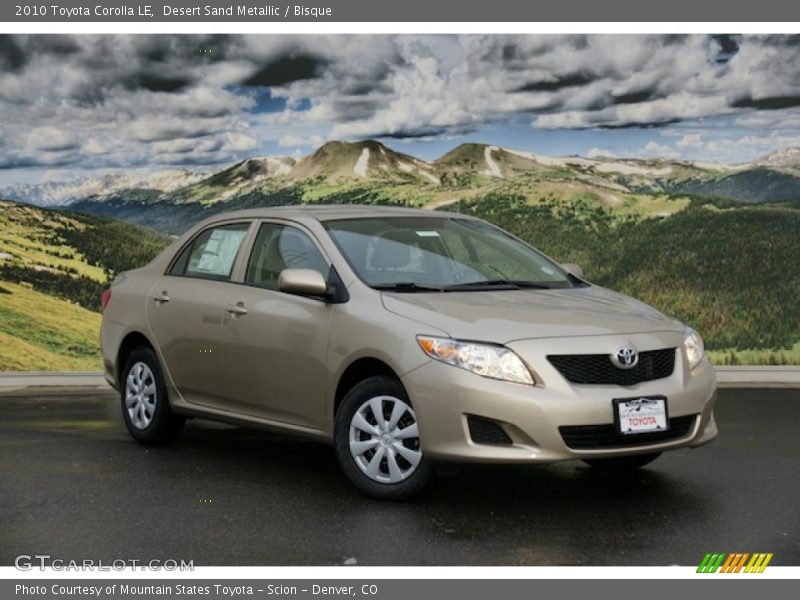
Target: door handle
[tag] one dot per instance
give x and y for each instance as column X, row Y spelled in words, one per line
column 160, row 298
column 236, row 309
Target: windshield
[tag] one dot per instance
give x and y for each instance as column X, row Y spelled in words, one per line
column 441, row 254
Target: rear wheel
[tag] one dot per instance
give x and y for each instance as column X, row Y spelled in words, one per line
column 622, row 463
column 145, row 406
column 377, row 441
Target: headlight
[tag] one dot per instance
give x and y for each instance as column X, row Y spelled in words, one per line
column 487, row 360
column 693, row 344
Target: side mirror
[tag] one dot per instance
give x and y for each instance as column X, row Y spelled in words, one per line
column 306, row 282
column 573, row 269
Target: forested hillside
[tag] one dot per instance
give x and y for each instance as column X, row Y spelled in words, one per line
column 725, row 269
column 53, row 267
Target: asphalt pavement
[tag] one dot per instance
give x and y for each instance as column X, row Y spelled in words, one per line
column 74, row 485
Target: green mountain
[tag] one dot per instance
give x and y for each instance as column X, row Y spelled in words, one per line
column 714, row 245
column 756, row 185
column 471, row 163
column 234, row 181
column 347, row 162
column 727, row 270
column 371, row 172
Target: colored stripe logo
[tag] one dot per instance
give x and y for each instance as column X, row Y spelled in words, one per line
column 736, row 562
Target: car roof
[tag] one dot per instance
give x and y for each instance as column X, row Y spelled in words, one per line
column 325, row 212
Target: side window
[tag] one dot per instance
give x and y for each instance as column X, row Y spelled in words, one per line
column 212, row 253
column 278, row 247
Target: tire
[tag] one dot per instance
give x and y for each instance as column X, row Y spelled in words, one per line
column 382, row 457
column 145, row 404
column 620, row 464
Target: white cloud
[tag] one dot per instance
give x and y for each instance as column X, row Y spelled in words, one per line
column 139, row 101
column 50, row 139
column 94, row 146
column 295, row 141
column 690, row 140
column 655, row 150
column 751, row 146
column 239, row 142
column 681, row 105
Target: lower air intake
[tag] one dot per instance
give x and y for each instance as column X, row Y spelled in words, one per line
column 602, row 437
column 486, row 431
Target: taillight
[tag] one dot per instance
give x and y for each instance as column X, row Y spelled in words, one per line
column 105, row 298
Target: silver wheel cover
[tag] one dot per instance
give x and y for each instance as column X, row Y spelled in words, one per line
column 384, row 439
column 141, row 397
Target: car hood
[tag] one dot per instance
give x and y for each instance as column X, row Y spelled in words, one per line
column 508, row 315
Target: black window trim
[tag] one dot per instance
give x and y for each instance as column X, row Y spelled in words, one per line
column 338, row 293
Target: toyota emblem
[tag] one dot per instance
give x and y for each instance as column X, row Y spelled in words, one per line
column 625, row 357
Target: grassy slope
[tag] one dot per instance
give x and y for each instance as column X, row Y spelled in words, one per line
column 69, row 242
column 53, row 267
column 27, row 234
column 42, row 333
column 734, row 356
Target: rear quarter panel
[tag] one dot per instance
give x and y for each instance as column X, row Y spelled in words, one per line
column 124, row 314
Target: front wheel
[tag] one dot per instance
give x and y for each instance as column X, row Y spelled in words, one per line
column 622, row 463
column 377, row 441
column 145, row 406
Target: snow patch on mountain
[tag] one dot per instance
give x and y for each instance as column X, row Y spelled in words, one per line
column 430, row 177
column 785, row 157
column 360, row 168
column 631, row 169
column 493, row 168
column 599, row 165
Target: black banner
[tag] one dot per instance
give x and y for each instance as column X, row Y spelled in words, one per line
column 177, row 11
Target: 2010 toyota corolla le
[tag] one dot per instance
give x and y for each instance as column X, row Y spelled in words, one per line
column 403, row 337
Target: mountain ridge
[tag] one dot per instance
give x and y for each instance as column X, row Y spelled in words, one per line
column 370, row 164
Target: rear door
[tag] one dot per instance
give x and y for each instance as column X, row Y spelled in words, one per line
column 185, row 311
column 274, row 344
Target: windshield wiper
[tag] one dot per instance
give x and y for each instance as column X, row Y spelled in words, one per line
column 406, row 286
column 471, row 286
column 496, row 284
column 532, row 285
column 500, row 284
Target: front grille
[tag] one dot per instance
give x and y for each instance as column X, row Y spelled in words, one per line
column 485, row 431
column 598, row 369
column 596, row 437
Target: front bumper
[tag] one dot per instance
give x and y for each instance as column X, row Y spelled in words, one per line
column 443, row 396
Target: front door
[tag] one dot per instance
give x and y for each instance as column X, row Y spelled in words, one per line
column 275, row 345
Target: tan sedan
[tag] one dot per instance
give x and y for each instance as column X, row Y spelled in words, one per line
column 402, row 337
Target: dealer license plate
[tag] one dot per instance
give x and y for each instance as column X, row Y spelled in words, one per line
column 641, row 415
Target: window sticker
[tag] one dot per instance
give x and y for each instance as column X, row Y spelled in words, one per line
column 220, row 251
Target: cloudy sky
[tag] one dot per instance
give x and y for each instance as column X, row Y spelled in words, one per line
column 82, row 105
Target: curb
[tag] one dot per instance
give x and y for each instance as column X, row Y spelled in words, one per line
column 727, row 377
column 52, row 379
column 784, row 376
